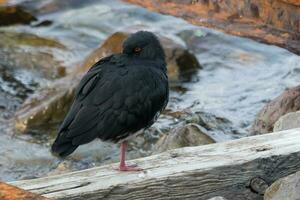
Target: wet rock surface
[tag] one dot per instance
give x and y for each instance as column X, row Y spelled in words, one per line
column 188, row 135
column 284, row 188
column 27, row 62
column 10, row 15
column 29, row 51
column 238, row 77
column 45, row 110
column 288, row 101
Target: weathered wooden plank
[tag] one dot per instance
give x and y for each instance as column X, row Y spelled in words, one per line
column 239, row 169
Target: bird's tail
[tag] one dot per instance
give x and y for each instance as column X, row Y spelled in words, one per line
column 62, row 146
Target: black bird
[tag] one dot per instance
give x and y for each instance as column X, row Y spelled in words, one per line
column 120, row 95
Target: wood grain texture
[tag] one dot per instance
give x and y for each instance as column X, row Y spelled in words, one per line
column 239, row 169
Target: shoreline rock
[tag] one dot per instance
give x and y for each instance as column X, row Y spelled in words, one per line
column 188, row 135
column 272, row 22
column 284, row 188
column 13, row 14
column 288, row 121
column 288, row 101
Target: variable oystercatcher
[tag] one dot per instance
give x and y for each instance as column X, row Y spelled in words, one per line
column 120, row 95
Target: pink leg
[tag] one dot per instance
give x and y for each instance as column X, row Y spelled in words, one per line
column 123, row 166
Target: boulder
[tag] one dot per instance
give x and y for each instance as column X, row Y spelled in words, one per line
column 27, row 62
column 220, row 128
column 12, row 14
column 47, row 107
column 35, row 53
column 42, row 107
column 287, row 188
column 288, row 101
column 188, row 135
column 287, row 121
column 272, row 22
column 180, row 62
column 113, row 44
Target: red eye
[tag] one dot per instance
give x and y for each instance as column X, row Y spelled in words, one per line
column 137, row 49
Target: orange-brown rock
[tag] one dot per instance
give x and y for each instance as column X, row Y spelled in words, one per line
column 288, row 101
column 111, row 45
column 274, row 22
column 180, row 62
column 10, row 15
column 9, row 192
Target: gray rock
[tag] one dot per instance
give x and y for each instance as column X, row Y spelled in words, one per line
column 33, row 53
column 287, row 188
column 47, row 107
column 288, row 101
column 27, row 62
column 288, row 121
column 188, row 135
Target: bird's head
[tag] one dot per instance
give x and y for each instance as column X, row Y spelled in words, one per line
column 143, row 44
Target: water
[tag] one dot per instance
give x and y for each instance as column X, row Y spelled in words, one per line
column 238, row 78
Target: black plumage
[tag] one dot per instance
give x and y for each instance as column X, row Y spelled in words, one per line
column 120, row 95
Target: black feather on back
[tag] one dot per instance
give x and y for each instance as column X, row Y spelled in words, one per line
column 117, row 97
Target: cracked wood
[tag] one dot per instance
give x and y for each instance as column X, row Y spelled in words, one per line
column 239, row 169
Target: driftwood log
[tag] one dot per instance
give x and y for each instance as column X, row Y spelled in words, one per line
column 239, row 169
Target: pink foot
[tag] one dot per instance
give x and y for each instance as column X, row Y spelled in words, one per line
column 123, row 166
